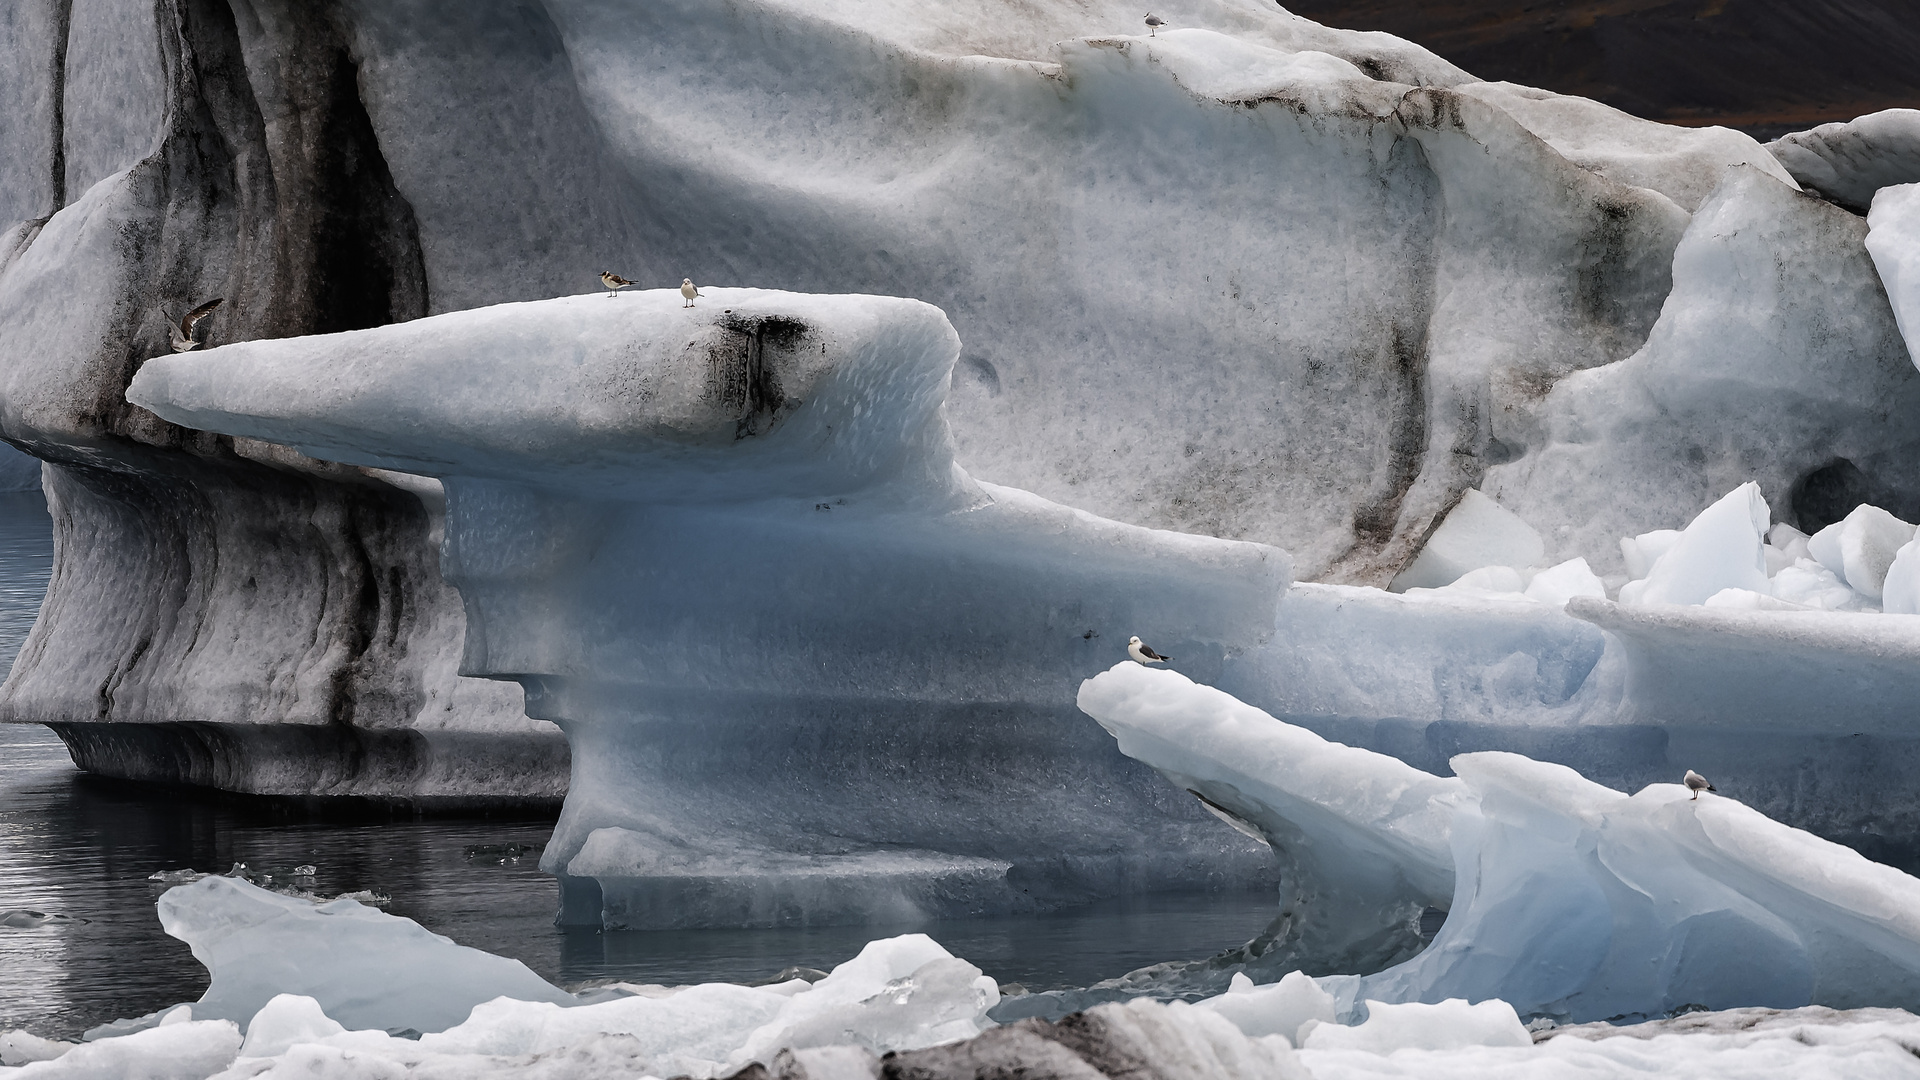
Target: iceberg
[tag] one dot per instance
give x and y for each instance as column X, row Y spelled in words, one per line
column 803, row 659
column 1253, row 277
column 1568, row 899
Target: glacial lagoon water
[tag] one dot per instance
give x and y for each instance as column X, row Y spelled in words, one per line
column 81, row 848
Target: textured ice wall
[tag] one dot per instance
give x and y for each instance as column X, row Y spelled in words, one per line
column 221, row 612
column 1776, row 359
column 1568, row 899
column 809, row 668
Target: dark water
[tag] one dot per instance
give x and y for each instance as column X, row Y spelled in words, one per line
column 82, row 847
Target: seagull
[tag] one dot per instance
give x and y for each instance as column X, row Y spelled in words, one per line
column 688, row 290
column 1154, row 23
column 182, row 335
column 1144, row 654
column 614, row 282
column 1697, row 784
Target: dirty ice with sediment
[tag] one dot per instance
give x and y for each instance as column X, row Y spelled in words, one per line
column 1484, row 457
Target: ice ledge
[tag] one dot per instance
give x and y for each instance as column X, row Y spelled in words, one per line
column 1782, row 671
column 750, row 392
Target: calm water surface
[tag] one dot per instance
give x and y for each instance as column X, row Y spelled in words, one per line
column 82, row 847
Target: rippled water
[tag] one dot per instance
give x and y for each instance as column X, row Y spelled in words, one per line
column 82, row 847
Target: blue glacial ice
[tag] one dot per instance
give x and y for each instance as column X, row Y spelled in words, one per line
column 1565, row 898
column 805, row 662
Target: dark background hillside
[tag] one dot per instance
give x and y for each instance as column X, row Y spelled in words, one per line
column 1765, row 66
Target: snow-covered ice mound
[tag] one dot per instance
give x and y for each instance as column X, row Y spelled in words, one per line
column 805, row 662
column 1568, row 899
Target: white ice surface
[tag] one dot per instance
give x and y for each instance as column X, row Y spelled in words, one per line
column 1860, row 547
column 366, row 968
column 1848, row 162
column 1900, row 592
column 1893, row 238
column 1719, row 549
column 1682, row 163
column 1477, row 532
column 1569, row 899
column 1282, row 1008
column 1363, row 838
column 1414, row 1025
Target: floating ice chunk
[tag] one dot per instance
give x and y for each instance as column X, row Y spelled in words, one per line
column 1809, row 584
column 1893, row 239
column 899, row 993
column 24, row 1047
column 365, row 968
column 1558, row 584
column 1448, row 1025
column 1786, row 546
column 689, row 1031
column 1859, row 547
column 1363, row 837
column 1478, row 532
column 1641, row 552
column 1720, row 549
column 1900, row 592
column 189, row 1050
column 285, row 1020
column 1282, row 1008
column 1572, row 899
column 1488, row 582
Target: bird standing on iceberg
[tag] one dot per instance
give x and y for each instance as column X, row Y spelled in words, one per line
column 614, row 282
column 1154, row 23
column 1697, row 784
column 182, row 335
column 688, row 290
column 1144, row 654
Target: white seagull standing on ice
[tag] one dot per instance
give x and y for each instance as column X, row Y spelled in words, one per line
column 688, row 290
column 1697, row 784
column 1154, row 23
column 1144, row 654
column 182, row 335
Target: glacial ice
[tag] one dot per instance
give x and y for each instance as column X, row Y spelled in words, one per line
column 1477, row 532
column 1849, row 162
column 908, row 998
column 364, row 967
column 1362, row 838
column 732, row 542
column 1386, row 278
column 1568, row 899
column 1442, row 1025
column 1893, row 239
